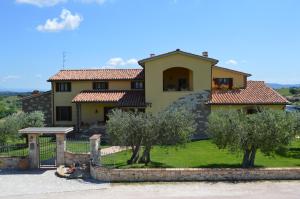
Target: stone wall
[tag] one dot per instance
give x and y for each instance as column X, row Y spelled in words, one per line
column 39, row 102
column 14, row 162
column 196, row 103
column 193, row 174
column 72, row 158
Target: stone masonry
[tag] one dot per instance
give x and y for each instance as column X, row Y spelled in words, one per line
column 193, row 174
column 39, row 102
column 195, row 103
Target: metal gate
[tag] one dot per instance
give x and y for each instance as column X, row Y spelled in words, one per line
column 47, row 147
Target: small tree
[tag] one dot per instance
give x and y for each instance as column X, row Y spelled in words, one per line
column 136, row 129
column 294, row 90
column 266, row 130
column 126, row 129
column 10, row 125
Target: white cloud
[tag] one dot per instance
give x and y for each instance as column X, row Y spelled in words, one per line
column 232, row 62
column 67, row 21
column 9, row 77
column 118, row 61
column 41, row 3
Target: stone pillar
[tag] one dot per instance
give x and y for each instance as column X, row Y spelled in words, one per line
column 34, row 152
column 60, row 149
column 95, row 152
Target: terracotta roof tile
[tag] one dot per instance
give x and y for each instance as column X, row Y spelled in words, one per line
column 123, row 98
column 255, row 93
column 98, row 74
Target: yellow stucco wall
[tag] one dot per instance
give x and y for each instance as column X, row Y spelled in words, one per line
column 238, row 79
column 119, row 85
column 154, row 79
column 65, row 99
column 93, row 112
column 226, row 107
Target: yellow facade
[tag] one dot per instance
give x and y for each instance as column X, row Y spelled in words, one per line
column 88, row 110
column 154, row 69
column 92, row 113
column 239, row 79
column 167, row 79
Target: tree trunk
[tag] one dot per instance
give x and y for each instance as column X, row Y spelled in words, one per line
column 135, row 155
column 249, row 158
column 245, row 163
column 252, row 157
column 146, row 156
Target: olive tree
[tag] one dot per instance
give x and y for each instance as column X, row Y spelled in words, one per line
column 126, row 129
column 266, row 131
column 137, row 129
column 10, row 125
column 169, row 127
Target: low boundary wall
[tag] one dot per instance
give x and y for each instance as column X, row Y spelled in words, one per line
column 193, row 174
column 14, row 162
column 73, row 158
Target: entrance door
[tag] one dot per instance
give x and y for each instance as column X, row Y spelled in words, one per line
column 107, row 110
column 47, row 146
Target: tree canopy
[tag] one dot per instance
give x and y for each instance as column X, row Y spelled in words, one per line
column 10, row 125
column 266, row 131
column 137, row 129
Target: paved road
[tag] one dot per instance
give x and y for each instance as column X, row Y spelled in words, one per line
column 44, row 184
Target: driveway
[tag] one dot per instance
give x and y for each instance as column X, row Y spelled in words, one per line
column 44, row 184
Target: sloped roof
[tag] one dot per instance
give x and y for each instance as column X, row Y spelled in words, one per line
column 177, row 51
column 98, row 74
column 123, row 98
column 235, row 71
column 256, row 92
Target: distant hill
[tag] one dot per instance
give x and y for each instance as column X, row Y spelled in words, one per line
column 13, row 93
column 278, row 86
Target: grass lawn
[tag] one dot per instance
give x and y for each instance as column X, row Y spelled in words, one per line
column 204, row 154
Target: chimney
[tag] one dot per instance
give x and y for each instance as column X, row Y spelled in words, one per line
column 205, row 54
column 152, row 55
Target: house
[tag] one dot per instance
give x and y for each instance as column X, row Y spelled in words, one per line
column 85, row 97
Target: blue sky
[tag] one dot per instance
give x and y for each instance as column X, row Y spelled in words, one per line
column 254, row 36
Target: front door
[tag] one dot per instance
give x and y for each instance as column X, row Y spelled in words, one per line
column 107, row 110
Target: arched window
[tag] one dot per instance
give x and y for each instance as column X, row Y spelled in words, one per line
column 178, row 79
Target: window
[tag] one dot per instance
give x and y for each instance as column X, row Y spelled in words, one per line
column 224, row 82
column 63, row 113
column 63, row 87
column 137, row 85
column 100, row 85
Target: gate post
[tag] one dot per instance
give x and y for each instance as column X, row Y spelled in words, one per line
column 95, row 152
column 34, row 152
column 60, row 149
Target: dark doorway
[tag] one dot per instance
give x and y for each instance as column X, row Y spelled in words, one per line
column 107, row 110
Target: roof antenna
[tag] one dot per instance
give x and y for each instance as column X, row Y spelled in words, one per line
column 63, row 59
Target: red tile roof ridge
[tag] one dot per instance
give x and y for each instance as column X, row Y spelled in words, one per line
column 111, row 91
column 93, row 69
column 256, row 92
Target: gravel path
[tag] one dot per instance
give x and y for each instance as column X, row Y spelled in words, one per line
column 112, row 149
column 44, row 184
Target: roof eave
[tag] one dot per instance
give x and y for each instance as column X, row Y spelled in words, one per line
column 143, row 61
column 279, row 103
